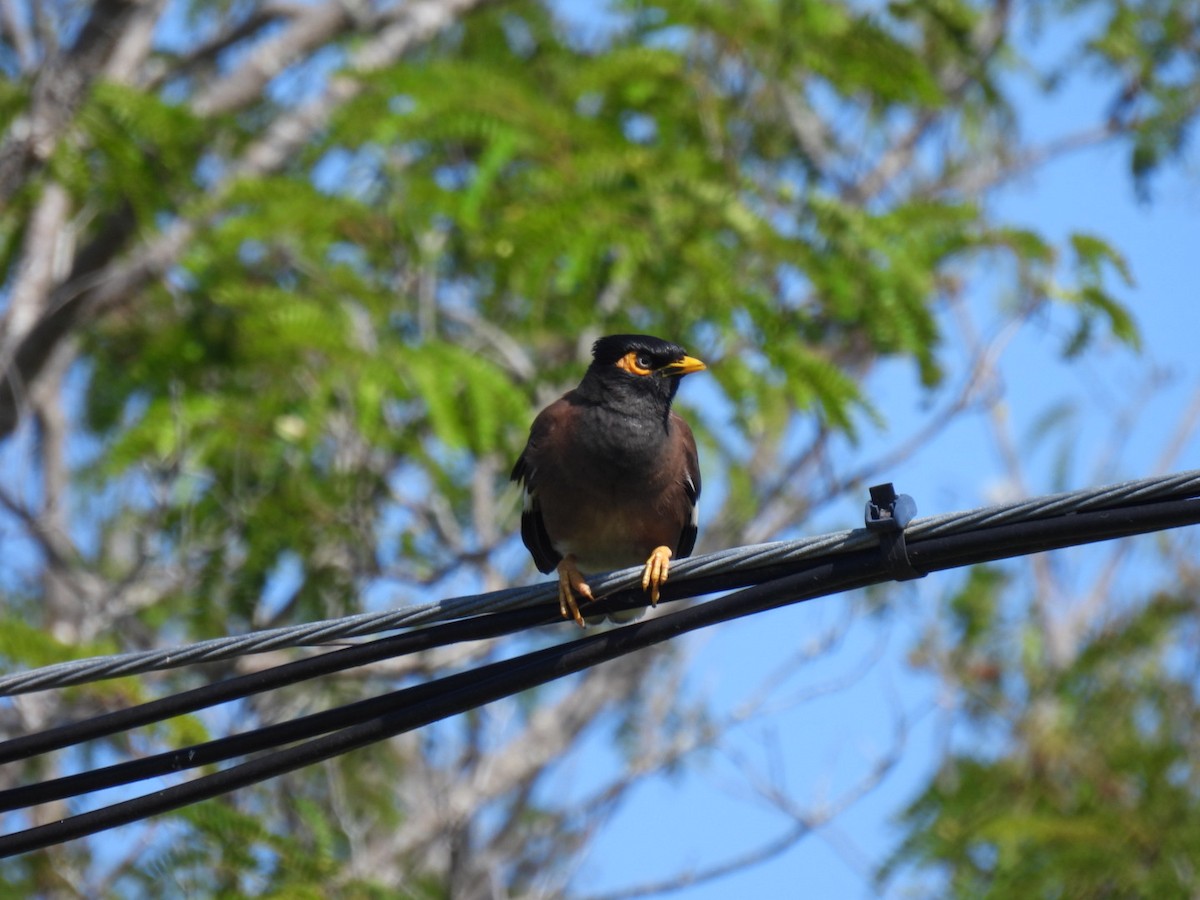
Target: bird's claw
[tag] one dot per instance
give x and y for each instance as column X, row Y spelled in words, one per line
column 570, row 583
column 654, row 576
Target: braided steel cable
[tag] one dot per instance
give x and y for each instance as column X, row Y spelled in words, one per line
column 735, row 561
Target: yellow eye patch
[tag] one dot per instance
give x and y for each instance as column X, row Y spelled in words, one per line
column 635, row 362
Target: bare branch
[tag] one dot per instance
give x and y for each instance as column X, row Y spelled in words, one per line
column 312, row 27
column 803, row 823
column 812, row 133
column 69, row 589
column 44, row 258
column 89, row 293
column 899, row 158
column 987, row 173
column 204, row 54
column 550, row 731
column 1085, row 614
column 60, row 88
column 134, row 45
column 797, row 831
column 485, row 335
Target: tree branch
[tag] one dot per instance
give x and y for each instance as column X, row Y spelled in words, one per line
column 58, row 92
column 313, row 27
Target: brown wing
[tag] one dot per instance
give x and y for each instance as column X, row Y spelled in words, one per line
column 533, row 525
column 681, row 432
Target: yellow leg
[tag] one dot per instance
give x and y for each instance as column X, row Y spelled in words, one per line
column 570, row 583
column 658, row 566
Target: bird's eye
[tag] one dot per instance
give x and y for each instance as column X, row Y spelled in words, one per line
column 636, row 362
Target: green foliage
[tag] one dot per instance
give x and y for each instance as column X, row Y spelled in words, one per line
column 1094, row 259
column 26, row 643
column 1093, row 790
column 231, row 853
column 14, row 97
column 134, row 150
column 1148, row 47
column 470, row 403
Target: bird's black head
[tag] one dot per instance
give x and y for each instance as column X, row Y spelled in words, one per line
column 639, row 364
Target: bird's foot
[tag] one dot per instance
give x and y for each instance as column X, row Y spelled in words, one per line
column 570, row 583
column 658, row 566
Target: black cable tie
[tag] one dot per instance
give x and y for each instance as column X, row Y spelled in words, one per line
column 888, row 514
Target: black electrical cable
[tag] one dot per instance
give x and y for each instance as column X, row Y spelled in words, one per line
column 425, row 703
column 416, row 706
column 221, row 749
column 72, row 733
column 480, row 627
column 991, row 543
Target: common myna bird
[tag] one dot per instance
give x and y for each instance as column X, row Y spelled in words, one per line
column 610, row 472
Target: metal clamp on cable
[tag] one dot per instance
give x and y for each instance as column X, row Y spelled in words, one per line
column 888, row 514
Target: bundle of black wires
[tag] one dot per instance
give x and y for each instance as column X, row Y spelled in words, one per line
column 890, row 553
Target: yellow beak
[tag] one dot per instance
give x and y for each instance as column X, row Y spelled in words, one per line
column 681, row 367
